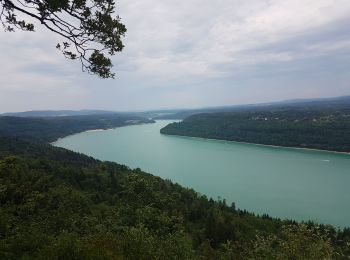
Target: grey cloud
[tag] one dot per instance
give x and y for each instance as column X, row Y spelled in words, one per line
column 191, row 53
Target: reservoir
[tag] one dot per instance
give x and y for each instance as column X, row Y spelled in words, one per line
column 282, row 182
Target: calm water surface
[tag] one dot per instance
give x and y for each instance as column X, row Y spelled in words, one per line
column 281, row 182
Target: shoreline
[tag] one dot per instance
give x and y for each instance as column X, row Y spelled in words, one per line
column 95, row 130
column 85, row 131
column 155, row 173
column 263, row 145
column 213, row 139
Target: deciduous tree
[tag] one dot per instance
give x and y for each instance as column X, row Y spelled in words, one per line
column 90, row 30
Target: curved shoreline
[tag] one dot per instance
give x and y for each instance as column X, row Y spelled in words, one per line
column 85, row 131
column 213, row 139
column 95, row 130
column 263, row 145
column 225, row 183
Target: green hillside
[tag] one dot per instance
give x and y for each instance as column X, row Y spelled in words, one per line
column 49, row 129
column 318, row 127
column 57, row 204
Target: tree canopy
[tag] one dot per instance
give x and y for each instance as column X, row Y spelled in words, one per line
column 57, row 204
column 90, row 31
column 324, row 126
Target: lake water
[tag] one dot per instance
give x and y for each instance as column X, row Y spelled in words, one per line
column 282, row 182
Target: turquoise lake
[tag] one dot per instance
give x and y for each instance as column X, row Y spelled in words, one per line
column 282, row 182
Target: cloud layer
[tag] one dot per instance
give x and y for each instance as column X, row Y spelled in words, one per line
column 191, row 53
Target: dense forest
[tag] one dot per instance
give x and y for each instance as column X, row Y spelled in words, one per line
column 329, row 104
column 317, row 126
column 49, row 129
column 57, row 204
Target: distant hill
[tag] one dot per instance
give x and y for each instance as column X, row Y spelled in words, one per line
column 295, row 104
column 52, row 113
column 86, row 112
column 318, row 124
column 49, row 129
column 316, row 100
column 182, row 113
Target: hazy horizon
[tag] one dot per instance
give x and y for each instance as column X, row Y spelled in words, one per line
column 179, row 108
column 180, row 56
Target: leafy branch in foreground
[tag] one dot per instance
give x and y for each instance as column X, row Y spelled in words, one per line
column 90, row 31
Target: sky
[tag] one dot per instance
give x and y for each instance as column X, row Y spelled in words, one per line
column 188, row 54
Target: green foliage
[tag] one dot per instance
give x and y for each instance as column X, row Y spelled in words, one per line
column 294, row 242
column 318, row 127
column 89, row 29
column 100, row 64
column 56, row 204
column 49, row 129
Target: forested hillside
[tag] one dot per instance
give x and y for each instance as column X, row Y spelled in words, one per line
column 328, row 104
column 325, row 127
column 57, row 204
column 49, row 129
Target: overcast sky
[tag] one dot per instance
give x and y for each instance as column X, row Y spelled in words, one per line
column 191, row 53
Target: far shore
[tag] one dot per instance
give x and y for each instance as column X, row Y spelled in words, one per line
column 264, row 145
column 95, row 130
column 213, row 139
column 85, row 131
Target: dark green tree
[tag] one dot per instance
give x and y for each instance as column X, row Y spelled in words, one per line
column 90, row 30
